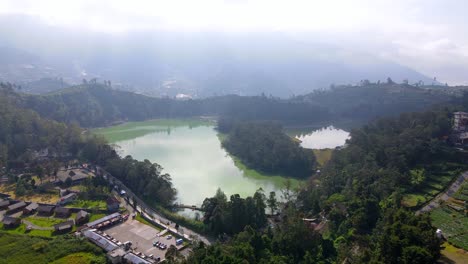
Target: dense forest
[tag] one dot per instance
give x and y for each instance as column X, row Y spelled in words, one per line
column 264, row 146
column 23, row 131
column 222, row 216
column 371, row 100
column 95, row 105
column 361, row 188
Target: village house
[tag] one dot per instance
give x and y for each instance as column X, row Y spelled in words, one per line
column 134, row 259
column 62, row 212
column 16, row 207
column 31, row 208
column 81, row 217
column 76, row 176
column 11, row 222
column 4, row 204
column 45, row 210
column 67, row 199
column 64, row 227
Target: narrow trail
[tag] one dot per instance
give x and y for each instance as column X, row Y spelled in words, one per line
column 33, row 226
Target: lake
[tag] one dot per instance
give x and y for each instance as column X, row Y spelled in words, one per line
column 190, row 151
column 323, row 138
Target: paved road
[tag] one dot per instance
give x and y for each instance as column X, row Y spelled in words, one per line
column 434, row 203
column 157, row 217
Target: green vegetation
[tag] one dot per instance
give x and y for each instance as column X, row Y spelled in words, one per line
column 193, row 224
column 323, row 156
column 80, row 258
column 88, row 204
column 453, row 224
column 230, row 217
column 451, row 254
column 21, row 230
column 142, row 220
column 94, row 217
column 278, row 179
column 43, row 221
column 96, row 104
column 290, row 242
column 436, row 177
column 25, row 249
column 265, row 147
column 138, row 129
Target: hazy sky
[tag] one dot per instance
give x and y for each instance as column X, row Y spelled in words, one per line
column 430, row 36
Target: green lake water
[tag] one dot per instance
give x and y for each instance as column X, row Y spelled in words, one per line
column 190, row 151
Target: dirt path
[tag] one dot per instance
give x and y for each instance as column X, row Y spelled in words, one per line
column 434, row 203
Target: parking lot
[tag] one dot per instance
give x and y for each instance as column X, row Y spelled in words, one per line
column 141, row 236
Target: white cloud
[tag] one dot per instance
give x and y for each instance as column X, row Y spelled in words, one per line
column 428, row 35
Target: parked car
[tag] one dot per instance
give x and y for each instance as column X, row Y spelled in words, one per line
column 169, row 237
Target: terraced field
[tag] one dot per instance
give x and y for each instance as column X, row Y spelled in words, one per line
column 438, row 177
column 452, row 218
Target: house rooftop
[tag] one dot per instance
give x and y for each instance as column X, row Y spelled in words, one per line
column 81, row 214
column 45, row 209
column 68, row 196
column 32, row 206
column 99, row 240
column 4, row 203
column 64, row 226
column 104, row 219
column 132, row 258
column 62, row 210
column 16, row 206
column 8, row 220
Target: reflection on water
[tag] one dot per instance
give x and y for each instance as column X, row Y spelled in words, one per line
column 194, row 158
column 326, row 137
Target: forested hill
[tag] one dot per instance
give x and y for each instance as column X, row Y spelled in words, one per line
column 371, row 100
column 363, row 186
column 23, row 131
column 95, row 104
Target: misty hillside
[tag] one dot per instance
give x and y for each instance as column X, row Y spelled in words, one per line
column 196, row 64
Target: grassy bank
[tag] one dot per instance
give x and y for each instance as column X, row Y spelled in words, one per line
column 139, row 129
column 322, row 156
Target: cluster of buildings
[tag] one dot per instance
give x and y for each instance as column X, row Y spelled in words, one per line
column 14, row 207
column 117, row 252
column 460, row 128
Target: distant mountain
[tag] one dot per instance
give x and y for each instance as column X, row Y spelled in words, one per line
column 196, row 64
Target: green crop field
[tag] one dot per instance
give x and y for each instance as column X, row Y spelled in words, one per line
column 453, row 224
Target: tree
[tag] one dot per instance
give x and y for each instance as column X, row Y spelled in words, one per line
column 20, row 188
column 172, row 254
column 68, row 182
column 39, row 170
column 417, row 177
column 272, row 202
